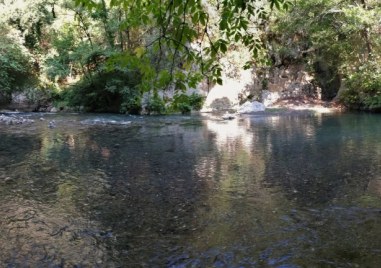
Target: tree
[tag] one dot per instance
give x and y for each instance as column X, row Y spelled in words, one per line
column 15, row 65
column 337, row 39
column 179, row 32
column 139, row 46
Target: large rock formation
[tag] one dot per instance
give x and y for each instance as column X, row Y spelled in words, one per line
column 264, row 85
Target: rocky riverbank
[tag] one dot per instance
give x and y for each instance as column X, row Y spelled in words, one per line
column 14, row 119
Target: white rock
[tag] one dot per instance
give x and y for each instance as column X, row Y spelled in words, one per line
column 250, row 107
column 228, row 116
column 269, row 98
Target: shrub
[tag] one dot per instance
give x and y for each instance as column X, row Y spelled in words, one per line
column 196, row 101
column 106, row 92
column 42, row 95
column 364, row 88
column 155, row 105
column 186, row 103
column 15, row 67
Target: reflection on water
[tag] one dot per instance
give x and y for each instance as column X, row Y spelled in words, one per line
column 259, row 191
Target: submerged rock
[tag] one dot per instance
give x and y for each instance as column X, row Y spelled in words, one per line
column 52, row 124
column 251, row 107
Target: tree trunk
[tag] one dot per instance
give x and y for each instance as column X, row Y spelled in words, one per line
column 104, row 18
column 366, row 35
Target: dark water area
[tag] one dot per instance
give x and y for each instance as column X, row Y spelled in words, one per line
column 263, row 190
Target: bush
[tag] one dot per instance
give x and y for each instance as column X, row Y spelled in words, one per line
column 131, row 101
column 364, row 89
column 196, row 101
column 155, row 105
column 42, row 95
column 184, row 108
column 350, row 98
column 186, row 103
column 15, row 67
column 115, row 91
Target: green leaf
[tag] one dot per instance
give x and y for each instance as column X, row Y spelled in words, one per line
column 195, row 18
column 223, row 47
column 180, row 85
column 223, row 25
column 237, row 37
column 203, row 18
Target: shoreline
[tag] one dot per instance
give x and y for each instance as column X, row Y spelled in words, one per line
column 308, row 104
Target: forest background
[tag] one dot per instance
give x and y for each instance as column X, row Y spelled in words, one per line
column 120, row 55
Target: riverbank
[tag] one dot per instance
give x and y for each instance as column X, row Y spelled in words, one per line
column 13, row 119
column 289, row 105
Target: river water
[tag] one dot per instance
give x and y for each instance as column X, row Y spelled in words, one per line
column 262, row 190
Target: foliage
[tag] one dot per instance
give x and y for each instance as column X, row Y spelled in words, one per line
column 196, row 101
column 15, row 66
column 42, row 95
column 60, row 62
column 155, row 104
column 30, row 18
column 186, row 103
column 131, row 100
column 364, row 88
column 116, row 51
column 105, row 92
column 334, row 38
column 107, row 55
column 180, row 35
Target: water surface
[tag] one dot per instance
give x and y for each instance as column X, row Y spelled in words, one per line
column 264, row 190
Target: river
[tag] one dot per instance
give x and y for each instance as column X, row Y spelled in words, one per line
column 262, row 190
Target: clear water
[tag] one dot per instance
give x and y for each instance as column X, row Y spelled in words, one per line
column 268, row 190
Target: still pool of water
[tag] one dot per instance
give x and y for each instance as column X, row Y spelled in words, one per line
column 264, row 190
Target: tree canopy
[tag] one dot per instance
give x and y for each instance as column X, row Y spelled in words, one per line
column 109, row 53
column 106, row 55
column 341, row 38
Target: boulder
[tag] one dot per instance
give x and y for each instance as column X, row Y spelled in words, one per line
column 269, row 97
column 251, row 107
column 53, row 110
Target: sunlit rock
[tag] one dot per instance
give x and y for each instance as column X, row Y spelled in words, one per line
column 227, row 96
column 269, row 97
column 251, row 107
column 228, row 116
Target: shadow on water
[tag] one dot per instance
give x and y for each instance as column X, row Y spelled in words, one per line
column 259, row 191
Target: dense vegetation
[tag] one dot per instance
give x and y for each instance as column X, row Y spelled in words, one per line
column 124, row 55
column 341, row 43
